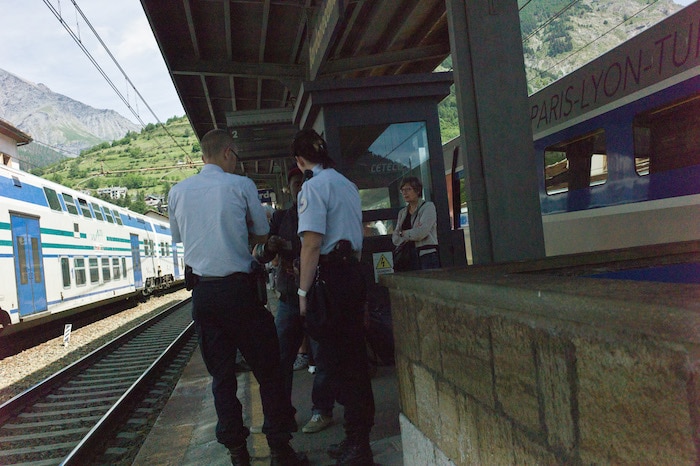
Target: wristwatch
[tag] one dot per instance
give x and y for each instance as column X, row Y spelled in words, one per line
column 301, row 293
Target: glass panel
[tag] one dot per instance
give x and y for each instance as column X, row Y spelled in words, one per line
column 70, row 204
column 108, row 215
column 84, row 207
column 80, row 277
column 377, row 157
column 52, row 197
column 106, row 276
column 667, row 138
column 22, row 258
column 118, row 218
column 65, row 270
column 379, row 227
column 123, row 267
column 36, row 260
column 115, row 268
column 576, row 164
column 94, row 270
column 98, row 212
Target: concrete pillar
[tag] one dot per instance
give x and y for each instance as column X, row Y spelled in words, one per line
column 500, row 170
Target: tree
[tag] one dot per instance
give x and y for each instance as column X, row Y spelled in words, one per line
column 133, row 181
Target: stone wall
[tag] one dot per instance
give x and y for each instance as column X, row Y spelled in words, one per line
column 500, row 366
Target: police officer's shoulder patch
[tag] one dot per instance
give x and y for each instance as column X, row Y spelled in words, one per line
column 303, row 204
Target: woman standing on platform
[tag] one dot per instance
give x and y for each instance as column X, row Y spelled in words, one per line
column 330, row 225
column 417, row 223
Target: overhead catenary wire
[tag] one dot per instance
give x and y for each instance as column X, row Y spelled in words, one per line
column 76, row 38
column 550, row 19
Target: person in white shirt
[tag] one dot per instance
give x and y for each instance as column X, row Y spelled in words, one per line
column 215, row 214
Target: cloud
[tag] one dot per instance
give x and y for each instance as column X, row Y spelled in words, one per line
column 36, row 47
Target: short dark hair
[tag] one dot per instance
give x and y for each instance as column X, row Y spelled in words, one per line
column 310, row 145
column 414, row 183
column 215, row 142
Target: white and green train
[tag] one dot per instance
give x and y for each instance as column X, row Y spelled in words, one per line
column 63, row 252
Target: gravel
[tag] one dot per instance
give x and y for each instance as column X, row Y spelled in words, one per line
column 26, row 369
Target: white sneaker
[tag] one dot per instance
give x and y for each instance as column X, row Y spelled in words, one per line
column 312, row 369
column 317, row 423
column 301, row 362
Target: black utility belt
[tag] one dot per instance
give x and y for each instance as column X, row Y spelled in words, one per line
column 430, row 247
column 334, row 258
column 227, row 277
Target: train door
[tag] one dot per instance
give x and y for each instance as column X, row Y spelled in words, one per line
column 29, row 270
column 136, row 258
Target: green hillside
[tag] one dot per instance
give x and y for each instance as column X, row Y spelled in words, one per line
column 147, row 163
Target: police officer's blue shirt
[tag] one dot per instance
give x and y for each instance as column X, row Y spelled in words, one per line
column 329, row 204
column 212, row 213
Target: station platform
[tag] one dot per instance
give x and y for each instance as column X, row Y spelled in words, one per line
column 184, row 435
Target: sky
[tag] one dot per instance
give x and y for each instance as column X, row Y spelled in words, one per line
column 35, row 46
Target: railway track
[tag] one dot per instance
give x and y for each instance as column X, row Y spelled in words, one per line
column 98, row 409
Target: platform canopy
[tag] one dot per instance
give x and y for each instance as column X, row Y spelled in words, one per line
column 239, row 64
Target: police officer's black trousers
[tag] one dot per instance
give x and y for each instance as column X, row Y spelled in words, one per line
column 229, row 317
column 345, row 352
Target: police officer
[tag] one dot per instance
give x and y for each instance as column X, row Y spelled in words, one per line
column 285, row 244
column 213, row 214
column 330, row 224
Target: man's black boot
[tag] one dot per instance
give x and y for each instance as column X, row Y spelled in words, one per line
column 357, row 453
column 286, row 456
column 239, row 456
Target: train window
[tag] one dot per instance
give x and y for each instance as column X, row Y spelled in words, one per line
column 94, row 270
column 667, row 138
column 118, row 218
column 70, row 204
column 145, row 247
column 98, row 212
column 52, row 197
column 108, row 215
column 377, row 157
column 124, row 267
column 153, row 247
column 575, row 164
column 162, row 249
column 116, row 270
column 106, row 272
column 65, row 271
column 80, row 276
column 84, row 208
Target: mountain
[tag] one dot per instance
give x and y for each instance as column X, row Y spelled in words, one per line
column 59, row 125
column 560, row 36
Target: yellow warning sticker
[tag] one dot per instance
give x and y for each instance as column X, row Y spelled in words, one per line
column 383, row 263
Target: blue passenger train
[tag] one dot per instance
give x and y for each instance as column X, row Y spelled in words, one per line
column 63, row 251
column 618, row 144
